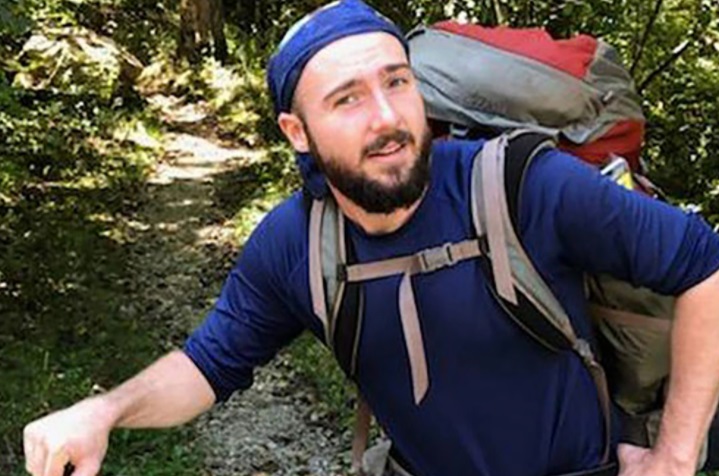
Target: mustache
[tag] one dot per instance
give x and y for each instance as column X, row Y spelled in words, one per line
column 399, row 136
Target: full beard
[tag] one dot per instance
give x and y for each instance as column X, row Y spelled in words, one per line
column 372, row 195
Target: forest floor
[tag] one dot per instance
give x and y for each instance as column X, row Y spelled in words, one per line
column 111, row 277
column 273, row 428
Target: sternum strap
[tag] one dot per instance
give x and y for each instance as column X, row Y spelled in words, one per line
column 425, row 261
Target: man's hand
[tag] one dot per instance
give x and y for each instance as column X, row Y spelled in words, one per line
column 169, row 392
column 77, row 435
column 637, row 461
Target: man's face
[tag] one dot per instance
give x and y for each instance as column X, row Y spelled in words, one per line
column 363, row 119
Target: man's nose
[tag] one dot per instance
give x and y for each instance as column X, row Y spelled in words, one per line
column 385, row 115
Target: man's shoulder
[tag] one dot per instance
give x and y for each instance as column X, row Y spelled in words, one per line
column 452, row 164
column 458, row 149
column 283, row 231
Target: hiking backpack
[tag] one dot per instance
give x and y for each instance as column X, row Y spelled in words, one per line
column 577, row 91
column 574, row 94
column 634, row 346
column 498, row 79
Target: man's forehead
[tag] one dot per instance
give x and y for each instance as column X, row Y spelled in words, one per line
column 351, row 56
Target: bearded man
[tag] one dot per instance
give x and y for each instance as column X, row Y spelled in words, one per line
column 482, row 397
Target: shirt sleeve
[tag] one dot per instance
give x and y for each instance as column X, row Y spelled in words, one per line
column 601, row 227
column 250, row 322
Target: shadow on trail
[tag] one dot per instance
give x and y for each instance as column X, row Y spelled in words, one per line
column 238, row 187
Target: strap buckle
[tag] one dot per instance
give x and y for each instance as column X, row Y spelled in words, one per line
column 433, row 259
column 584, row 350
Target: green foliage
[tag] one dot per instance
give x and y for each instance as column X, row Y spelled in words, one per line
column 316, row 364
column 75, row 61
column 13, row 20
column 147, row 28
column 67, row 189
column 239, row 97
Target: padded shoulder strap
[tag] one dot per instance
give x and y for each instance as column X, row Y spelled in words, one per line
column 337, row 303
column 497, row 178
column 522, row 148
column 498, row 169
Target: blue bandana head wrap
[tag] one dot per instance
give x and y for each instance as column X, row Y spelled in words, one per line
column 307, row 37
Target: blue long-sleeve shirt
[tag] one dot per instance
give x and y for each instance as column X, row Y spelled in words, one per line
column 499, row 404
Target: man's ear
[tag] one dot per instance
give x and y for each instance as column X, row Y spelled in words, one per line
column 294, row 129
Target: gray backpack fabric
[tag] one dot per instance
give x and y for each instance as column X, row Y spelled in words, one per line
column 578, row 110
column 503, row 78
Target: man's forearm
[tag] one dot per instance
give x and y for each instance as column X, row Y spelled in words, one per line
column 169, row 392
column 694, row 381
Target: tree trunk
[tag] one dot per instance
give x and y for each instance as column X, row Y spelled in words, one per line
column 202, row 25
column 187, row 43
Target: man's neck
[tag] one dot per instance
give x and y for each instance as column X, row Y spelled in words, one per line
column 375, row 223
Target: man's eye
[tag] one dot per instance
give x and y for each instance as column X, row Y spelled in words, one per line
column 346, row 100
column 398, row 81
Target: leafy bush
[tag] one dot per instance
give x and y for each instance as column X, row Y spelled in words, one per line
column 75, row 61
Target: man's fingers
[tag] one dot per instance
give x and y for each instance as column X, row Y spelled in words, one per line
column 35, row 458
column 87, row 469
column 55, row 463
column 629, row 456
column 28, row 446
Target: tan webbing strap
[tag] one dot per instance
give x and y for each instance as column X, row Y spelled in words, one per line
column 584, row 350
column 629, row 319
column 363, row 420
column 413, row 339
column 381, row 269
column 475, row 190
column 342, row 245
column 493, row 189
column 425, row 261
column 340, row 290
column 356, row 343
column 317, row 289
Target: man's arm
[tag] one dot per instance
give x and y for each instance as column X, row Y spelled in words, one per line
column 169, row 392
column 601, row 228
column 693, row 388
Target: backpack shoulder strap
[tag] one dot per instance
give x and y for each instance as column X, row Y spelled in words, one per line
column 497, row 178
column 336, row 302
column 497, row 175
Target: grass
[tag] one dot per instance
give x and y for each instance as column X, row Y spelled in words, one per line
column 80, row 341
column 316, row 364
column 66, row 329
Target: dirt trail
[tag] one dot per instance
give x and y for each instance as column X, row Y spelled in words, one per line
column 187, row 249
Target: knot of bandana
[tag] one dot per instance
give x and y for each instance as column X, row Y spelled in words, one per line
column 308, row 36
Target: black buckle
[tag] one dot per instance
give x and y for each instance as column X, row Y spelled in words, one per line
column 341, row 272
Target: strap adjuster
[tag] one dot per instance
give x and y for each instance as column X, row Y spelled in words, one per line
column 341, row 272
column 584, row 350
column 433, row 259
